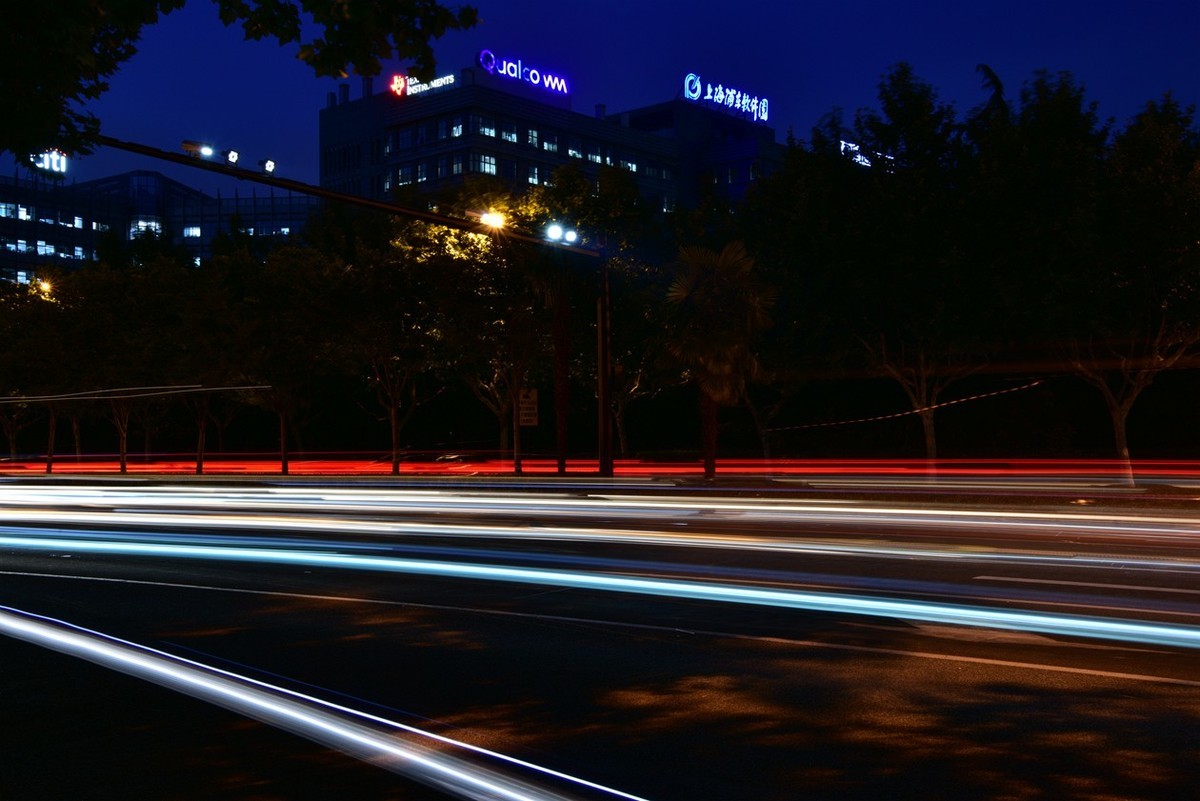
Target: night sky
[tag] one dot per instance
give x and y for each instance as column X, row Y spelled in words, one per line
column 195, row 79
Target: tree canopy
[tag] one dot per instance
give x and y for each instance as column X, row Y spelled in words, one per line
column 57, row 57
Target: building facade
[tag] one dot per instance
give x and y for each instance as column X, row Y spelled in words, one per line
column 504, row 119
column 45, row 221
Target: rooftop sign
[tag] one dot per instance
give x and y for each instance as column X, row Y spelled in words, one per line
column 734, row 100
column 507, row 68
column 51, row 161
column 401, row 85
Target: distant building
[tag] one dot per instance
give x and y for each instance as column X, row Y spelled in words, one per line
column 46, row 221
column 507, row 119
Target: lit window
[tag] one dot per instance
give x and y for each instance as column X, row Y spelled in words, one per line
column 456, row 164
column 196, row 261
column 23, row 213
column 574, row 149
column 456, row 128
column 78, row 252
column 191, row 232
column 593, row 156
column 487, row 164
column 441, row 168
column 44, row 249
column 487, row 126
column 284, row 231
column 668, row 204
column 405, row 176
column 22, row 246
column 421, row 176
column 22, row 277
column 532, row 137
column 8, row 210
column 442, row 129
column 508, row 131
column 79, row 222
column 550, row 143
column 629, row 165
column 533, row 174
column 145, row 225
column 99, row 226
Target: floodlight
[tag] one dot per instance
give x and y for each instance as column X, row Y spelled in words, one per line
column 554, row 231
column 268, row 165
column 231, row 156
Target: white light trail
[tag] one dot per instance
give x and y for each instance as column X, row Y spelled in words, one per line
column 310, row 717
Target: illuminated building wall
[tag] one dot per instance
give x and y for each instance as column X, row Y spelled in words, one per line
column 50, row 222
column 495, row 119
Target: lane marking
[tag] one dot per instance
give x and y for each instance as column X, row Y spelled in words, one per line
column 867, row 649
column 1016, row 580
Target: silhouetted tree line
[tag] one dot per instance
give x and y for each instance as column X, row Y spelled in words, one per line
column 1026, row 239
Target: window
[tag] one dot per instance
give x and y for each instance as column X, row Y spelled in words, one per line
column 443, row 129
column 574, row 149
column 23, row 213
column 44, row 249
column 486, row 126
column 79, row 222
column 668, row 204
column 421, row 172
column 732, row 175
column 550, row 143
column 284, row 231
column 404, row 139
column 532, row 137
column 593, row 156
column 79, row 252
column 22, row 246
column 533, row 174
column 441, row 168
column 456, row 127
column 405, row 175
column 8, row 210
column 629, row 165
column 99, row 226
column 456, row 164
column 191, row 231
column 145, row 225
column 508, row 131
column 483, row 163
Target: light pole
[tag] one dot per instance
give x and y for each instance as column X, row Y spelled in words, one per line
column 556, row 233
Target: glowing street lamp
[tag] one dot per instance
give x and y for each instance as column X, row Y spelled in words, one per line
column 492, row 219
column 197, row 149
column 268, row 165
column 231, row 156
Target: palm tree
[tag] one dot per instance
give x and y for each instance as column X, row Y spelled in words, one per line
column 718, row 310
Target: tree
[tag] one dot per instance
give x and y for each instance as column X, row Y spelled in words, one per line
column 718, row 309
column 47, row 83
column 1143, row 294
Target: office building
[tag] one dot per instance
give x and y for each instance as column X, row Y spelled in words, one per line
column 506, row 118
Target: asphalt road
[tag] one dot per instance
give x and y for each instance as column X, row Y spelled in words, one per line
column 638, row 643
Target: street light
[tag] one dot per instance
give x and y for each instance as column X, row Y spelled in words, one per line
column 231, row 156
column 492, row 219
column 268, row 165
column 555, row 232
column 197, row 149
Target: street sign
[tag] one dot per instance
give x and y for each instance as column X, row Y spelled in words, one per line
column 528, row 411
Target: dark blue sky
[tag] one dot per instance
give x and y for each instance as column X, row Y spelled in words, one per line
column 195, row 79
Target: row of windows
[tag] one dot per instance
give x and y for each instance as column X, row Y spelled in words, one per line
column 48, row 216
column 402, row 139
column 44, row 248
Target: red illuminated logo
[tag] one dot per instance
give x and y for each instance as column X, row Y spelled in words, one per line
column 398, row 84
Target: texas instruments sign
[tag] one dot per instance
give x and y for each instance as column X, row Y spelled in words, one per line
column 518, row 70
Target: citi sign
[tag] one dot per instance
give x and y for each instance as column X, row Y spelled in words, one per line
column 508, row 68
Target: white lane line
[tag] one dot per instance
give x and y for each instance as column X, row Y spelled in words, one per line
column 1141, row 588
column 864, row 649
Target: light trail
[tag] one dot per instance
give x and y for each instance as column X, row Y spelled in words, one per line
column 305, row 715
column 1065, row 625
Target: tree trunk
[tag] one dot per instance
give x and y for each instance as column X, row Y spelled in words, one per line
column 50, row 440
column 201, row 410
column 77, row 435
column 283, row 443
column 394, row 423
column 708, row 433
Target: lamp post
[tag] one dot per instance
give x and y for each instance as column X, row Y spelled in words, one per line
column 555, row 232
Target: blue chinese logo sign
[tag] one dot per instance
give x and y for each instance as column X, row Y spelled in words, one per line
column 733, row 100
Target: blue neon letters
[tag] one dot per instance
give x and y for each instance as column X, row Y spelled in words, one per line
column 515, row 69
column 733, row 99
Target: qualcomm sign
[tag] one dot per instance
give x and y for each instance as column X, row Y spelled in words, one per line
column 516, row 69
column 732, row 99
column 402, row 86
